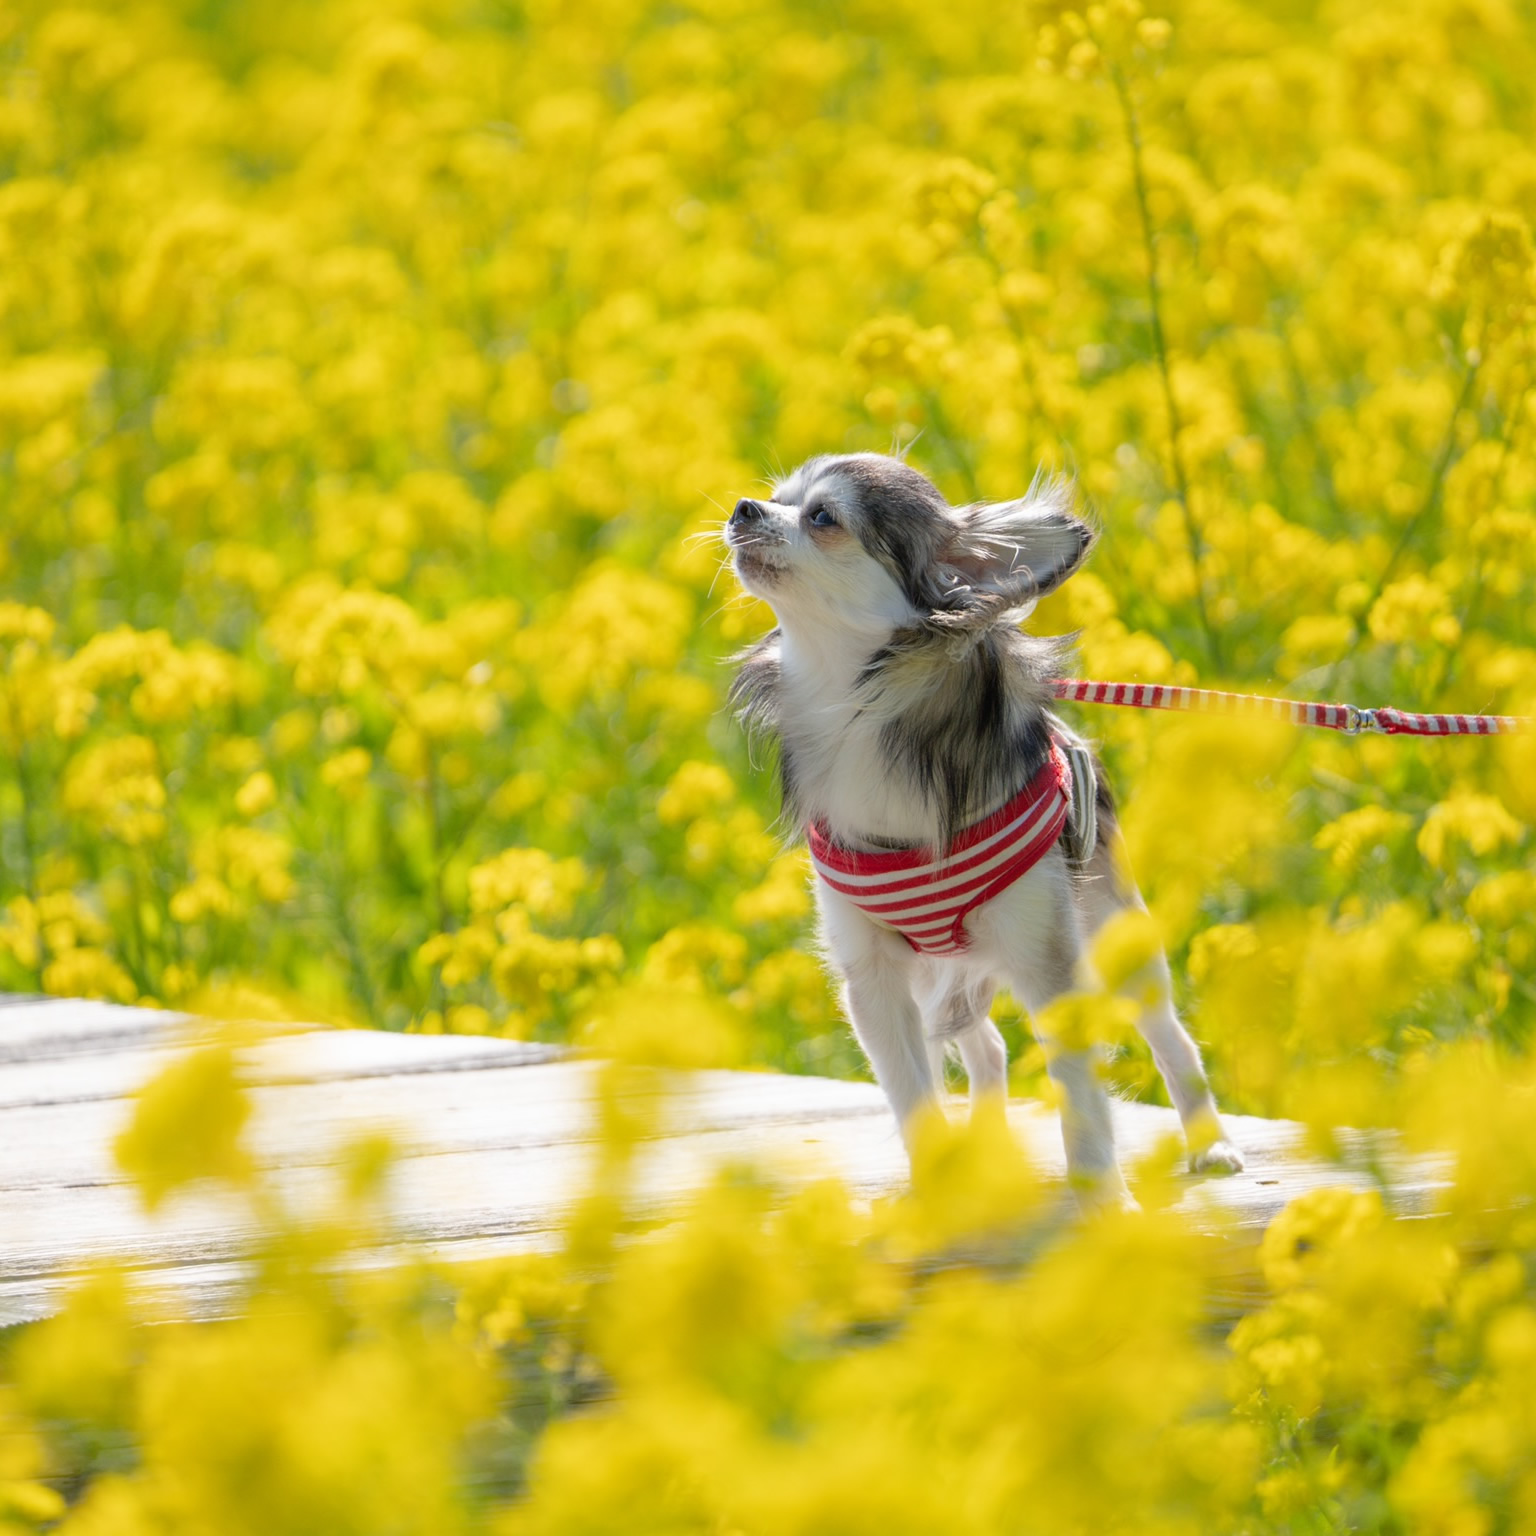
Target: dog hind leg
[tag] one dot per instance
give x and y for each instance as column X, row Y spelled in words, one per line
column 1103, row 891
column 1045, row 968
column 986, row 1063
column 966, row 1020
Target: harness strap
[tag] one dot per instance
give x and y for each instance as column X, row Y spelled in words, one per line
column 927, row 898
column 1082, row 831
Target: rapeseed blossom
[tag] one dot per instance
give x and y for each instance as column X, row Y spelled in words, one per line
column 370, row 383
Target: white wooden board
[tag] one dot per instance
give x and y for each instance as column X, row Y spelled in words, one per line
column 495, row 1136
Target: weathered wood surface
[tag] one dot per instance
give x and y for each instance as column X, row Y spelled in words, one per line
column 495, row 1138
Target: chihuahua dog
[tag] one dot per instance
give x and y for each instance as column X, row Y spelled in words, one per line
column 961, row 836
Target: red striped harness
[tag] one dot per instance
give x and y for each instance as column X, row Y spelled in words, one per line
column 928, row 900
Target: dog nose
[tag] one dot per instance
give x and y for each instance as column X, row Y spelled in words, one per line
column 747, row 511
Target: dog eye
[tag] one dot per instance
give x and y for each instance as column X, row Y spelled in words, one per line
column 820, row 517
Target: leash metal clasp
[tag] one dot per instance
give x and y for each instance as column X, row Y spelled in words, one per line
column 1359, row 721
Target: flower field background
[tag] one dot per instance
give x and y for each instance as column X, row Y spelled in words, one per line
column 372, row 379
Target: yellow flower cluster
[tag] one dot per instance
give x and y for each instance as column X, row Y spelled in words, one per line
column 788, row 1360
column 359, row 490
column 369, row 378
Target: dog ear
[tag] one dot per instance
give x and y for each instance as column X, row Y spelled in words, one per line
column 1004, row 556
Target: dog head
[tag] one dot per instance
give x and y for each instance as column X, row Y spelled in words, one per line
column 865, row 543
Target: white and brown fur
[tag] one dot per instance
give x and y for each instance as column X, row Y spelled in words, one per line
column 907, row 704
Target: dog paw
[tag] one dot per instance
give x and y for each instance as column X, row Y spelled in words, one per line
column 1097, row 1199
column 1220, row 1158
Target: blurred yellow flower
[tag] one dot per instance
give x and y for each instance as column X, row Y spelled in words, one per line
column 692, row 790
column 527, row 877
column 1414, row 610
column 1349, row 838
column 1466, row 818
column 187, row 1125
column 784, row 895
column 257, row 794
column 118, row 788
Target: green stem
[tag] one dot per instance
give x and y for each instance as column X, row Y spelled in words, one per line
column 28, row 838
column 439, row 856
column 1426, row 507
column 1165, row 371
column 341, row 905
column 1443, row 463
column 957, row 455
column 1254, row 412
column 1301, row 400
column 1022, row 350
column 1468, row 615
column 137, row 963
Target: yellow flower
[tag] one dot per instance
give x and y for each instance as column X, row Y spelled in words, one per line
column 1503, row 900
column 37, row 389
column 1444, row 950
column 893, row 347
column 117, row 786
column 1355, row 833
column 529, row 878
column 1112, row 651
column 347, row 772
column 1302, row 1238
column 536, row 972
column 1077, row 1020
column 614, row 624
column 948, row 196
column 462, row 956
column 696, row 958
column 1124, row 947
column 655, row 1026
column 1412, row 610
column 257, row 794
column 187, row 1125
column 19, row 623
column 783, row 896
column 446, row 710
column 203, row 896
column 1490, row 270
column 87, row 972
column 1213, row 948
column 1315, row 640
column 795, row 984
column 695, row 788
column 1477, row 821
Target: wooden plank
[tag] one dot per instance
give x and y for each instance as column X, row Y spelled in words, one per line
column 302, row 1124
column 495, row 1138
column 115, row 1066
column 39, row 1029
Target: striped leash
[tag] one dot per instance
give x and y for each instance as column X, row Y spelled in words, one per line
column 1332, row 717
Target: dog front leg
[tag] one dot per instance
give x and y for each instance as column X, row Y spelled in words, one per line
column 1050, row 956
column 886, row 1020
column 1178, row 1059
column 878, row 969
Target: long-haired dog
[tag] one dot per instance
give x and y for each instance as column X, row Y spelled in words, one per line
column 962, row 837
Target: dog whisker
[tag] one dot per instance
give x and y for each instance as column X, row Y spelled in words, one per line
column 720, row 568
column 735, row 600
